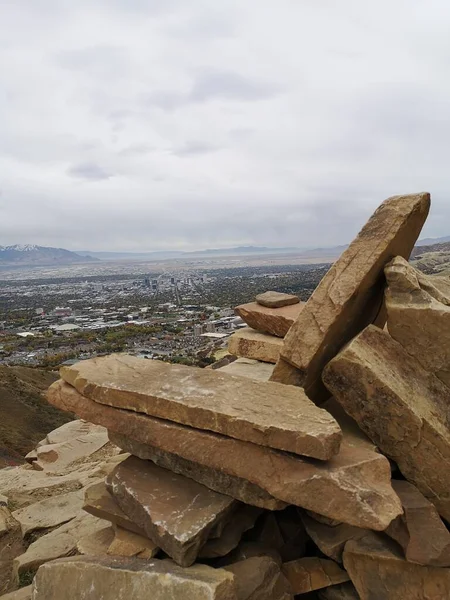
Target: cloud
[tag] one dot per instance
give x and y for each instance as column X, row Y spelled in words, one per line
column 155, row 124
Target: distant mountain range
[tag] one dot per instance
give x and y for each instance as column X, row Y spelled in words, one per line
column 32, row 255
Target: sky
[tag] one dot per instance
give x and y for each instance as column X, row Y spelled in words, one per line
column 145, row 125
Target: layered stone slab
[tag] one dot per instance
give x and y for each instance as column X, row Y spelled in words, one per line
column 311, row 573
column 378, row 570
column 417, row 319
column 358, row 479
column 267, row 414
column 129, row 544
column 123, row 579
column 420, row 531
column 250, row 368
column 100, row 503
column 260, row 578
column 249, row 343
column 350, row 295
column 329, row 539
column 177, row 513
column 276, row 299
column 400, row 406
column 274, row 321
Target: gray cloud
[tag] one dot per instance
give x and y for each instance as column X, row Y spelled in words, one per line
column 285, row 125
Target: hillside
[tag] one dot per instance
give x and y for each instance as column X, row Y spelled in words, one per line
column 26, row 417
column 31, row 255
column 434, row 258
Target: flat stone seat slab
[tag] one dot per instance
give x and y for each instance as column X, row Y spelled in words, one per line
column 249, row 343
column 275, row 321
column 268, row 414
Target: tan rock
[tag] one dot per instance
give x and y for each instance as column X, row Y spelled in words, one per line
column 175, row 512
column 99, row 502
column 240, row 521
column 345, row 591
column 247, row 367
column 350, row 295
column 274, row 321
column 331, row 540
column 311, row 573
column 357, row 478
column 418, row 321
column 401, row 407
column 22, row 594
column 419, row 531
column 378, row 570
column 247, row 550
column 276, row 299
column 59, row 542
column 50, row 512
column 70, row 431
column 214, row 479
column 11, row 539
column 259, row 578
column 129, row 544
column 9, row 580
column 96, row 543
column 249, row 343
column 266, row 414
column 126, row 578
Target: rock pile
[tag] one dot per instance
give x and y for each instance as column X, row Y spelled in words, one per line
column 241, row 488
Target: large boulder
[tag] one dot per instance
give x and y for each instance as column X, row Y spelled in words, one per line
column 350, row 295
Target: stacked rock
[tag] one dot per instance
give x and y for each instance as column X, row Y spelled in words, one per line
column 247, row 489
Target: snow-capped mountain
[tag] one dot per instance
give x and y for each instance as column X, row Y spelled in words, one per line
column 30, row 254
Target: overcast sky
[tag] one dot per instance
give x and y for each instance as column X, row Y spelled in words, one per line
column 156, row 124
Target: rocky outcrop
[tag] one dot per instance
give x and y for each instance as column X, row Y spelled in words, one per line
column 249, row 343
column 350, row 296
column 273, row 321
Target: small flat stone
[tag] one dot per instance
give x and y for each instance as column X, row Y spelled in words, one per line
column 99, row 502
column 129, row 544
column 241, row 520
column 358, row 478
column 126, row 578
column 214, row 479
column 400, row 406
column 70, row 431
column 420, row 531
column 276, row 299
column 378, row 570
column 331, row 540
column 96, row 543
column 350, row 295
column 249, row 343
column 250, row 368
column 268, row 414
column 50, row 512
column 175, row 512
column 259, row 578
column 274, row 321
column 310, row 573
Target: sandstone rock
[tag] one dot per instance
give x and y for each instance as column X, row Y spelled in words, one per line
column 56, row 458
column 267, row 414
column 11, row 539
column 99, row 502
column 249, row 343
column 260, row 578
column 419, row 531
column 345, row 591
column 252, row 369
column 403, row 408
column 129, row 544
column 123, row 579
column 97, row 543
column 331, row 540
column 358, row 479
column 418, row 321
column 22, row 594
column 311, row 573
column 247, row 550
column 50, row 512
column 350, row 295
column 274, row 321
column 378, row 570
column 59, row 542
column 9, row 580
column 175, row 512
column 70, row 431
column 276, row 299
column 241, row 520
column 214, row 479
